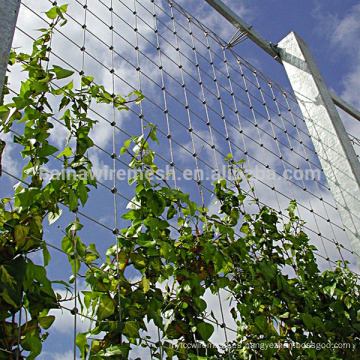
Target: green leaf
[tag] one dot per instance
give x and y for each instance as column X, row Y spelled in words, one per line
column 87, row 80
column 166, row 250
column 73, row 200
column 82, row 193
column 47, row 150
column 330, row 289
column 106, row 307
column 171, row 212
column 118, row 350
column 8, row 299
column 130, row 215
column 6, row 278
column 52, row 13
column 4, row 113
column 53, row 217
column 205, row 330
column 62, row 73
column 81, row 343
column 67, row 152
column 20, row 233
column 307, row 320
column 28, row 196
column 46, row 255
column 261, row 323
column 131, row 329
column 39, row 273
column 67, row 245
column 63, row 8
column 31, row 342
column 196, row 357
column 46, row 321
column 146, row 284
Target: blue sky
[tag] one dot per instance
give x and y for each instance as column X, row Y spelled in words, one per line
column 331, row 28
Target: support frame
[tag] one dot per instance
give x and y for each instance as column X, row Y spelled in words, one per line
column 9, row 10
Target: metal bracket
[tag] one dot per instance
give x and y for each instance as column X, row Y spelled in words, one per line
column 270, row 48
column 239, row 37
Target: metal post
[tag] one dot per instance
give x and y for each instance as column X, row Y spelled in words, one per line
column 269, row 47
column 336, row 153
column 9, row 10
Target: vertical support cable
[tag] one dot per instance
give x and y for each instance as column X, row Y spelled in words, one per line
column 227, row 137
column 138, row 68
column 114, row 189
column 208, row 122
column 74, row 235
column 250, row 181
column 75, row 310
column 163, row 88
column 187, row 107
column 231, row 152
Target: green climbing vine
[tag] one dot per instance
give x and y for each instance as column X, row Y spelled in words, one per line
column 177, row 249
column 24, row 285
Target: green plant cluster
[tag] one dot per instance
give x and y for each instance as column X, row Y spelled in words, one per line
column 178, row 251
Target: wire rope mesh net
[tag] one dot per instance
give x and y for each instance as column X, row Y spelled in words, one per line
column 207, row 102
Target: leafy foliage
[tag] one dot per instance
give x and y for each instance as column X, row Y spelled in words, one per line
column 179, row 251
column 25, row 285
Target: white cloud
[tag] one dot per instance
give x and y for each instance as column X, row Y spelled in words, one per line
column 64, row 323
column 103, row 131
column 345, row 32
column 9, row 162
column 211, row 18
column 346, row 49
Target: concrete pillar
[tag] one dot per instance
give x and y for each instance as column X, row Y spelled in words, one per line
column 336, row 153
column 9, row 10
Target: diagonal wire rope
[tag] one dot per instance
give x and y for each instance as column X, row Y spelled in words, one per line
column 205, row 73
column 194, row 133
column 290, row 164
column 173, row 62
column 95, row 222
column 169, row 131
column 259, row 180
column 264, row 204
column 105, row 272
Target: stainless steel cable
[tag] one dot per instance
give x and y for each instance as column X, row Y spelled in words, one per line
column 208, row 121
column 187, row 107
column 163, row 88
column 215, row 105
column 195, row 114
column 212, row 168
column 114, row 157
